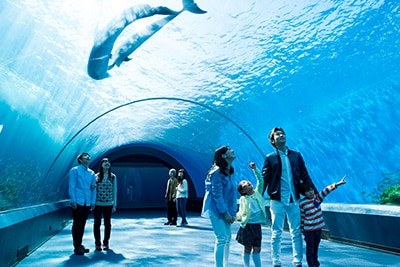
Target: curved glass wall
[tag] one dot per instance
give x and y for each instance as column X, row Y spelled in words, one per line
column 325, row 71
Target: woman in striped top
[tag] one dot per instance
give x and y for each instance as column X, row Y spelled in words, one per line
column 312, row 221
column 106, row 203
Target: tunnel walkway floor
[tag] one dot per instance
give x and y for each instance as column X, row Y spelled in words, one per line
column 140, row 238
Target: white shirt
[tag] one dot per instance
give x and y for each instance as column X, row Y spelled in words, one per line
column 286, row 179
column 80, row 186
column 182, row 190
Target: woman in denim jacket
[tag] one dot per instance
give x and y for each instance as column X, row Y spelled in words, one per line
column 220, row 202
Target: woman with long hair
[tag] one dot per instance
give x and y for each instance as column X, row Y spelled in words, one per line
column 182, row 194
column 106, row 203
column 219, row 203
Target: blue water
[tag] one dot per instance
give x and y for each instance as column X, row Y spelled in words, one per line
column 326, row 71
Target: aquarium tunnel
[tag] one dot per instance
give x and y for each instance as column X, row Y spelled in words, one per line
column 154, row 85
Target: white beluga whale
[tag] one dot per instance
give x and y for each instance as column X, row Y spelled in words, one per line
column 101, row 59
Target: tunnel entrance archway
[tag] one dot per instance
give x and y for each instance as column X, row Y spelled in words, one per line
column 67, row 144
column 142, row 174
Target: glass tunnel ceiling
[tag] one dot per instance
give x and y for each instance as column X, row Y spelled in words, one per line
column 326, row 71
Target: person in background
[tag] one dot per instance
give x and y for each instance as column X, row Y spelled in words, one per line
column 251, row 214
column 182, row 193
column 82, row 193
column 106, row 203
column 219, row 203
column 170, row 195
column 283, row 171
column 312, row 220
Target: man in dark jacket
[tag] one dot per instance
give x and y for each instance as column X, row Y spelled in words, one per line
column 283, row 171
column 170, row 197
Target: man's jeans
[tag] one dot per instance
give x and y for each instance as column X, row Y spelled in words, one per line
column 79, row 215
column 278, row 212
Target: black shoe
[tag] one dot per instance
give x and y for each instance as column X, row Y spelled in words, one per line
column 85, row 250
column 79, row 251
column 167, row 223
column 173, row 223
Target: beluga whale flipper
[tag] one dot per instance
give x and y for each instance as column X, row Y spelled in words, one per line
column 100, row 59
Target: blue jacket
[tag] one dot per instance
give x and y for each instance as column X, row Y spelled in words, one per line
column 272, row 171
column 220, row 196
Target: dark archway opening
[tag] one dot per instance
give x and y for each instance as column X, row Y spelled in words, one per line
column 142, row 174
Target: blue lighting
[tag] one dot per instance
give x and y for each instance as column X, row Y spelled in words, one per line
column 325, row 71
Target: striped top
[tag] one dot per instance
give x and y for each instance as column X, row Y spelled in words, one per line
column 311, row 213
column 106, row 191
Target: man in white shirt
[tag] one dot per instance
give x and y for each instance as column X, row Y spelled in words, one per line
column 283, row 171
column 82, row 193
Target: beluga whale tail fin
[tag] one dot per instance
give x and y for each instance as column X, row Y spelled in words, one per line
column 192, row 7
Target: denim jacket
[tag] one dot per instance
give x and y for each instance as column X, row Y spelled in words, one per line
column 220, row 196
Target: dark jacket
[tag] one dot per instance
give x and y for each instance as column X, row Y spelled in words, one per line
column 272, row 170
